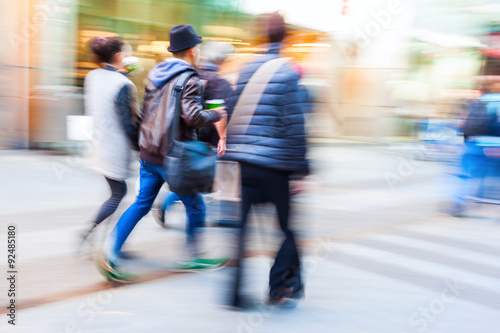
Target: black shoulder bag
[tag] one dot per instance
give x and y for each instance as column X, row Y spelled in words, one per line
column 190, row 165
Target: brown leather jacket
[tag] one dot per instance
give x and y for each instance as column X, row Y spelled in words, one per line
column 157, row 111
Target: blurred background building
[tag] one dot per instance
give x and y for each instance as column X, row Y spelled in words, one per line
column 373, row 68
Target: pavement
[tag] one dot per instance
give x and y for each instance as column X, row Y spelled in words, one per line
column 378, row 255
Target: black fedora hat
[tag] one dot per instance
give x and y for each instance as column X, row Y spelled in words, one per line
column 183, row 37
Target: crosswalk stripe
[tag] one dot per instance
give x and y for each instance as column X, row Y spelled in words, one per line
column 433, row 257
column 417, row 244
column 419, row 265
column 454, row 241
column 472, row 288
column 63, row 241
column 470, row 231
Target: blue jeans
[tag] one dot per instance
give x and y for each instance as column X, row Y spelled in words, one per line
column 195, row 211
column 471, row 170
column 152, row 178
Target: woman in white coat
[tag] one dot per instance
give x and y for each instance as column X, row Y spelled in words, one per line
column 111, row 100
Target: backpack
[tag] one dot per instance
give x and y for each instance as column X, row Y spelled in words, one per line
column 479, row 122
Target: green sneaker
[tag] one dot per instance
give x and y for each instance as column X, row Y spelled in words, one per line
column 111, row 272
column 200, row 264
column 212, row 261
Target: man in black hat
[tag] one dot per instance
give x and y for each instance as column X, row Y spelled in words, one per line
column 158, row 110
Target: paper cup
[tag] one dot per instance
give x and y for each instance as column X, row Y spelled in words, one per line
column 214, row 103
column 132, row 64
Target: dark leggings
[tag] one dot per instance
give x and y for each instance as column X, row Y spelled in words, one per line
column 118, row 191
column 266, row 185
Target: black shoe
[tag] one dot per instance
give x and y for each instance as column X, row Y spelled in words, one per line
column 127, row 255
column 285, row 298
column 85, row 234
column 159, row 216
column 243, row 303
column 455, row 209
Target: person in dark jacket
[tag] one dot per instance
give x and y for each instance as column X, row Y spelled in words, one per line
column 158, row 111
column 213, row 54
column 271, row 151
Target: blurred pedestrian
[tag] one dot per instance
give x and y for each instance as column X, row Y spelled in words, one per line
column 213, row 55
column 266, row 135
column 479, row 160
column 154, row 140
column 111, row 100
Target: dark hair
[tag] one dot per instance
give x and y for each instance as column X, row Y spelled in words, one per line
column 104, row 49
column 181, row 53
column 276, row 28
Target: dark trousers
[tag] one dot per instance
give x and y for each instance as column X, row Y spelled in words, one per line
column 261, row 185
column 118, row 191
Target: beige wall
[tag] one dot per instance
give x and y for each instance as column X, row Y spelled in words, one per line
column 37, row 39
column 14, row 73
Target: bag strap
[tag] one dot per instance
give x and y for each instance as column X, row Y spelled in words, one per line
column 251, row 94
column 179, row 85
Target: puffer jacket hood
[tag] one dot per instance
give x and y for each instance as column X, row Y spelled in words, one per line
column 167, row 70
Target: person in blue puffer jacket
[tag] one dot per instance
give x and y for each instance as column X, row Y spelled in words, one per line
column 271, row 151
